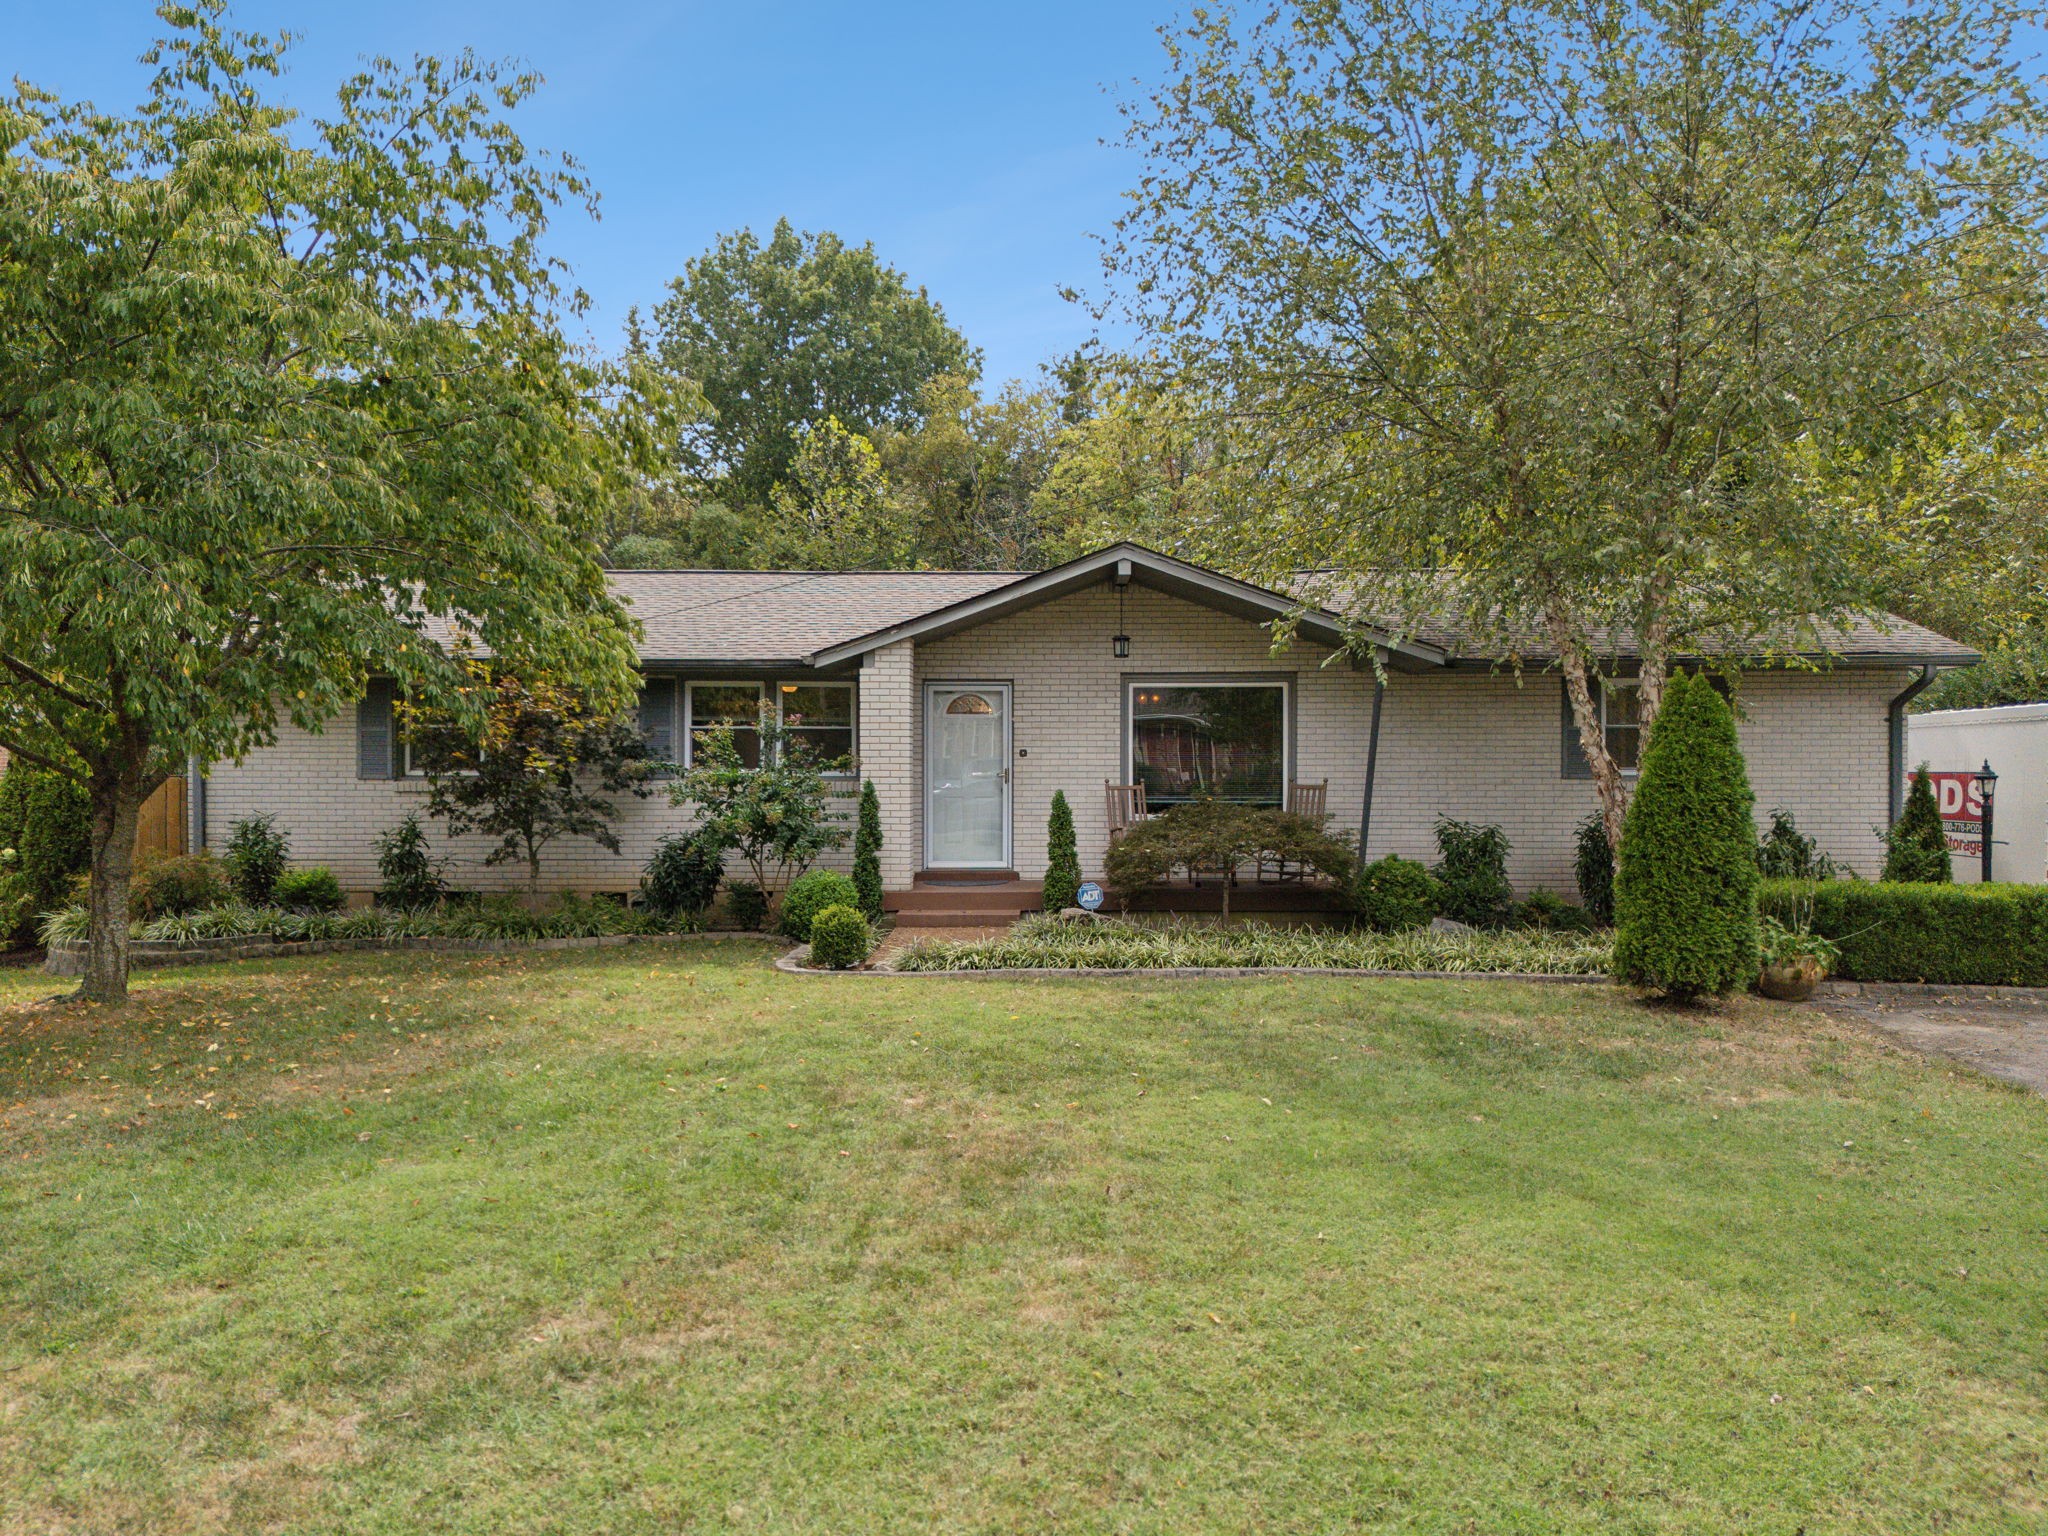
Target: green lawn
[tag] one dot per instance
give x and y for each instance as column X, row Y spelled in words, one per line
column 658, row 1239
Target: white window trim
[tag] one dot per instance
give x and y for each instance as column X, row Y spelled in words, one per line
column 687, row 720
column 1608, row 684
column 1168, row 680
column 688, row 724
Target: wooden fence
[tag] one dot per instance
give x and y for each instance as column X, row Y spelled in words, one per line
column 162, row 827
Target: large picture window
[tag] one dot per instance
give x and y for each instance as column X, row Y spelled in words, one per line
column 1209, row 740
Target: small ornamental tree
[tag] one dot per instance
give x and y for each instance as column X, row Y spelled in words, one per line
column 775, row 816
column 1916, row 848
column 543, row 766
column 867, row 853
column 1062, row 860
column 1685, row 888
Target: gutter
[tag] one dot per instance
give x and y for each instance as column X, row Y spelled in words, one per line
column 1895, row 720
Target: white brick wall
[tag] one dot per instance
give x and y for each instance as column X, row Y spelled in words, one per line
column 1475, row 746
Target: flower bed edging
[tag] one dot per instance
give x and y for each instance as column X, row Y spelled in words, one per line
column 69, row 959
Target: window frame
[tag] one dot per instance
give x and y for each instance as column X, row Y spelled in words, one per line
column 1283, row 681
column 852, row 726
column 1633, row 685
column 689, row 712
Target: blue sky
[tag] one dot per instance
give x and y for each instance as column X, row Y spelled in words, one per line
column 962, row 138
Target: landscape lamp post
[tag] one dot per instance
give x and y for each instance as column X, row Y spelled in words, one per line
column 1987, row 781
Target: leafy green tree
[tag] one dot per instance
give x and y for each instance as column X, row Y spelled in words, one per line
column 785, row 335
column 1916, row 848
column 278, row 401
column 834, row 513
column 1572, row 316
column 1062, row 859
column 968, row 475
column 1685, row 889
column 867, row 853
column 544, row 765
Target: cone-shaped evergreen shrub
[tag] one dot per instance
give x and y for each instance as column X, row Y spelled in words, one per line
column 1916, row 848
column 867, row 853
column 1685, row 889
column 1062, row 859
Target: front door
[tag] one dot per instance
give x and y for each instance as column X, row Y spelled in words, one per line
column 967, row 776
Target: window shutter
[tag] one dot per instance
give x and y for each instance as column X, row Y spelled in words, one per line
column 1572, row 762
column 376, row 735
column 658, row 717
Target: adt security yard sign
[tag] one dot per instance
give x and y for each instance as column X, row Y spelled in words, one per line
column 1089, row 897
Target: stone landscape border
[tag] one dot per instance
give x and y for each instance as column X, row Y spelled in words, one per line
column 793, row 963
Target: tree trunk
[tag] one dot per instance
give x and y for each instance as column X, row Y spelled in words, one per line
column 116, row 807
column 1607, row 779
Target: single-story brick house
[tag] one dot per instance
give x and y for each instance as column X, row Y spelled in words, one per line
column 970, row 697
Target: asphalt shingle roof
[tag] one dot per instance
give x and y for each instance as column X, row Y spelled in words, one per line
column 775, row 616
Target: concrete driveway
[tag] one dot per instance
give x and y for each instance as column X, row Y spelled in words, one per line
column 2002, row 1038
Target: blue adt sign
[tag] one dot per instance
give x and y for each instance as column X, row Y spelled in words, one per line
column 1089, row 897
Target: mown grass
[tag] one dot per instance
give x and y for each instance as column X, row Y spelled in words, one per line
column 626, row 1241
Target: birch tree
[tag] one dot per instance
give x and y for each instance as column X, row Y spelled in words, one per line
column 1581, row 319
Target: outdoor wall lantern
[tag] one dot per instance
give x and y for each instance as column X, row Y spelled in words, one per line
column 1120, row 643
column 1987, row 781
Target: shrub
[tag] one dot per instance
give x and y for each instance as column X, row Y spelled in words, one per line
column 312, row 889
column 411, row 875
column 811, row 894
column 1062, row 859
column 1472, row 869
column 1953, row 935
column 1685, row 892
column 56, row 837
column 867, row 853
column 1208, row 835
column 1593, row 869
column 840, row 938
column 1550, row 912
column 169, row 885
column 1916, row 848
column 776, row 816
column 1395, row 894
column 256, row 854
column 682, row 876
column 747, row 904
column 1786, row 853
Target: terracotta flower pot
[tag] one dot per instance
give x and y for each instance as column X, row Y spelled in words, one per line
column 1793, row 980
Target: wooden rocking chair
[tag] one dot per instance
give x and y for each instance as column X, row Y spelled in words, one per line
column 1126, row 805
column 1312, row 801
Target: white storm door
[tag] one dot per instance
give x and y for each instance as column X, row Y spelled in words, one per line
column 967, row 776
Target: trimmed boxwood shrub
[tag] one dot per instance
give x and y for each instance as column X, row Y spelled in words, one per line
column 809, row 894
column 1685, row 884
column 1395, row 894
column 312, row 889
column 1062, row 858
column 1916, row 848
column 1958, row 935
column 840, row 937
column 867, row 853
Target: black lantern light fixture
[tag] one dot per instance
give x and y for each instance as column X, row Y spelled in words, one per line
column 1987, row 782
column 1120, row 643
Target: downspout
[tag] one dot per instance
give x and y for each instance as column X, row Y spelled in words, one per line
column 195, row 805
column 1372, row 751
column 1896, row 720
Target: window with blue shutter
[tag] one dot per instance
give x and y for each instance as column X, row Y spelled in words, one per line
column 658, row 718
column 376, row 731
